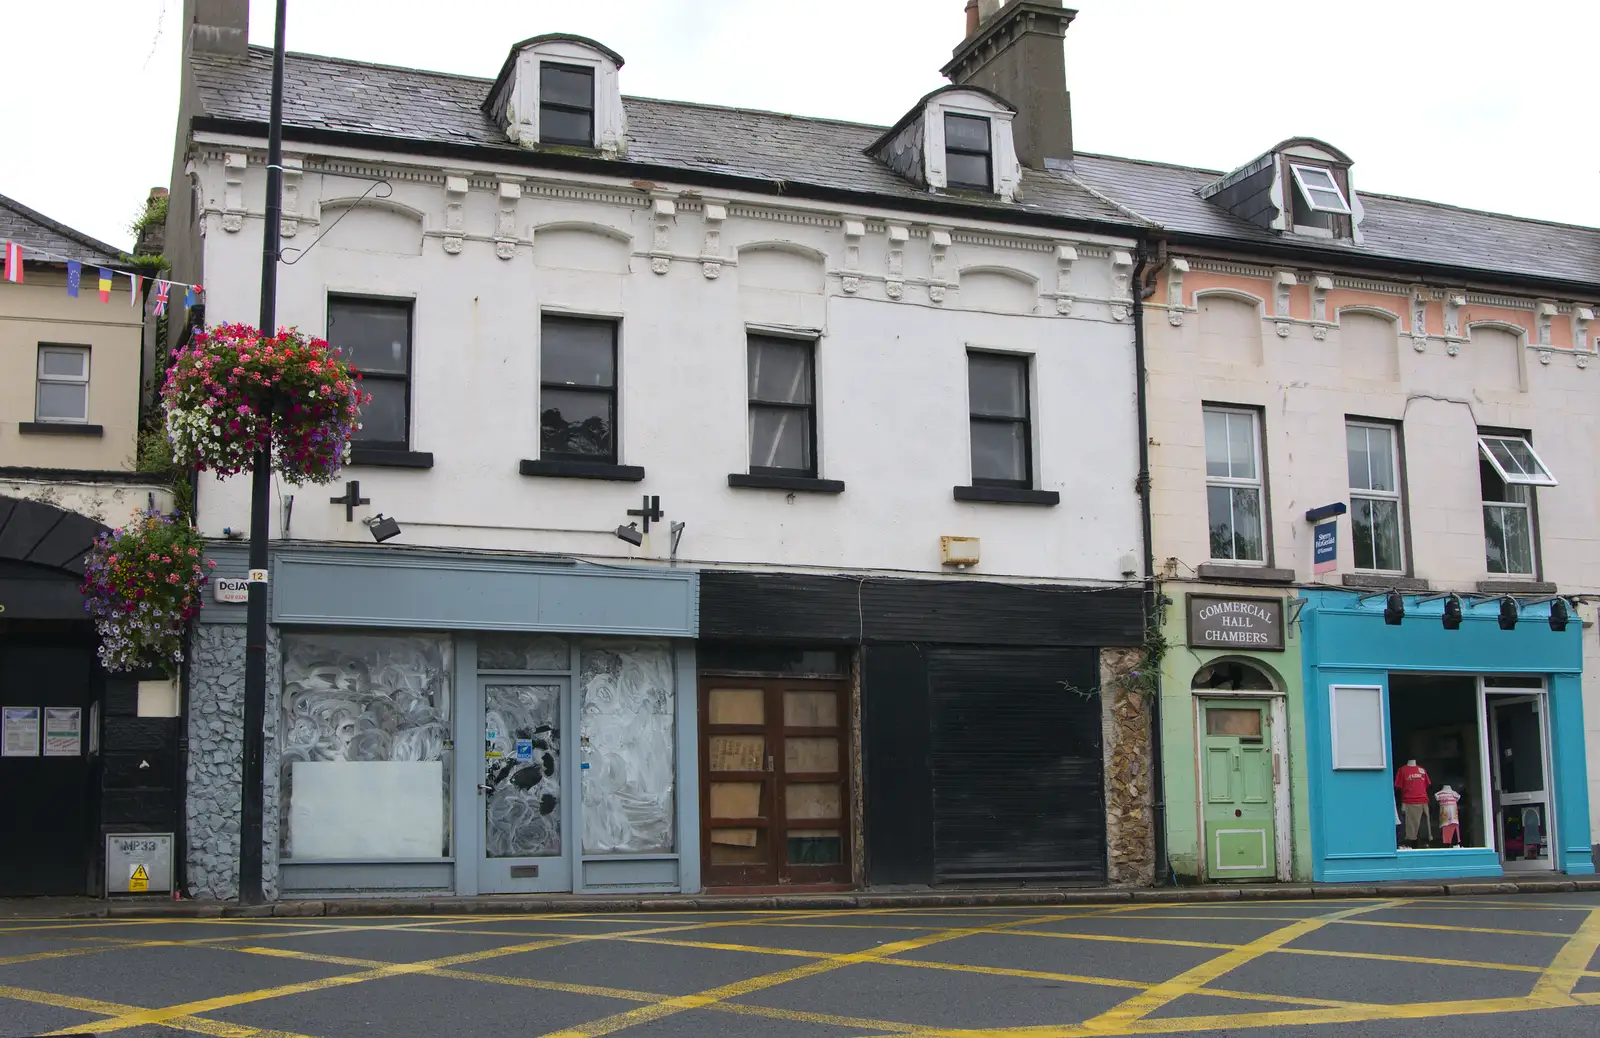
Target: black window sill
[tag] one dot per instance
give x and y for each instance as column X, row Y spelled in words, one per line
column 60, row 429
column 1008, row 495
column 390, row 457
column 1244, row 574
column 1380, row 582
column 582, row 470
column 1512, row 586
column 767, row 481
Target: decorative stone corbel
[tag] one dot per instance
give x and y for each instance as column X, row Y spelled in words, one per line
column 1321, row 285
column 1419, row 322
column 1544, row 356
column 1544, row 313
column 1066, row 256
column 1121, row 274
column 662, row 211
column 713, row 213
column 1175, row 272
column 1283, row 283
column 288, row 220
column 938, row 258
column 895, row 285
column 505, row 224
column 455, row 223
column 233, row 167
column 1582, row 317
column 854, row 231
column 1453, row 302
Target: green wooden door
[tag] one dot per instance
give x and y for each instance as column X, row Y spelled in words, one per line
column 1236, row 776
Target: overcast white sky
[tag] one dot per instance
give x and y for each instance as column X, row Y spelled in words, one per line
column 1487, row 105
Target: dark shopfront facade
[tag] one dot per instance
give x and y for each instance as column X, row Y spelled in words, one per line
column 77, row 761
column 872, row 731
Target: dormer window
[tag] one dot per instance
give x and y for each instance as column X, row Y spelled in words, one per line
column 1318, row 190
column 562, row 90
column 1302, row 186
column 968, row 161
column 566, row 104
column 957, row 138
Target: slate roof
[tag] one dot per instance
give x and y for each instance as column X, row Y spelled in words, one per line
column 411, row 104
column 34, row 230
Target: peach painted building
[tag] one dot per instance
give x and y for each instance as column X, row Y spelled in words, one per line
column 1371, row 450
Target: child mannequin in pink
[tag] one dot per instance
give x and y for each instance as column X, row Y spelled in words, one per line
column 1449, row 816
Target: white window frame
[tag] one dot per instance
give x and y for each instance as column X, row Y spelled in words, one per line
column 69, row 380
column 1380, row 495
column 1259, row 483
column 1541, row 478
column 1309, row 191
column 1359, row 763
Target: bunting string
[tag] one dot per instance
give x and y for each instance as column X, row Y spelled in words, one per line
column 15, row 252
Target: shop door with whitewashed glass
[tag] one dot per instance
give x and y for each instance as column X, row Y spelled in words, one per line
column 1237, row 776
column 522, row 786
column 1520, row 767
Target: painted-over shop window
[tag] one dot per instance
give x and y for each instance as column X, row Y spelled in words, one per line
column 366, row 759
column 1234, row 487
column 625, row 714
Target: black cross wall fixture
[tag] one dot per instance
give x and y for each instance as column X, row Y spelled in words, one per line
column 651, row 510
column 352, row 497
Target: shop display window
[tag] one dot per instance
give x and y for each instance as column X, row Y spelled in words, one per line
column 625, row 717
column 366, row 747
column 1435, row 739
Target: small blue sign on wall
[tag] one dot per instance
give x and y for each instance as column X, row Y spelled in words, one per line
column 524, row 750
column 1325, row 547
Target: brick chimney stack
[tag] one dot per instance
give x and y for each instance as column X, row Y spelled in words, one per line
column 1017, row 51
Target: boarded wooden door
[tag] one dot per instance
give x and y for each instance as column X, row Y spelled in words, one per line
column 774, row 781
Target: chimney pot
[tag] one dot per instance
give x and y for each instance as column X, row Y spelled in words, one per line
column 1017, row 52
column 972, row 17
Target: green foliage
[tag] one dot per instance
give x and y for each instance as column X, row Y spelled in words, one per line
column 155, row 459
column 149, row 215
column 148, row 264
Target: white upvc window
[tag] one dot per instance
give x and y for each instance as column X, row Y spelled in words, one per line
column 1235, row 495
column 1515, row 462
column 63, row 390
column 1320, row 190
column 1372, row 453
column 1508, row 471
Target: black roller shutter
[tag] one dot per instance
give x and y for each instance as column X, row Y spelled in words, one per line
column 1017, row 793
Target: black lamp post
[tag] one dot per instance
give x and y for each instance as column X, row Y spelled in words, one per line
column 255, row 652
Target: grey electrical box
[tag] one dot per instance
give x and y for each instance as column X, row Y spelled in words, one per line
column 138, row 863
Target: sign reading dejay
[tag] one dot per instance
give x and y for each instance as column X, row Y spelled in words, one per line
column 1217, row 622
column 231, row 589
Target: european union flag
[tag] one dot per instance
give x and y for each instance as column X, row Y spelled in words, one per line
column 74, row 277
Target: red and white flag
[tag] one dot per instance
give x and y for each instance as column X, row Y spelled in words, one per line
column 133, row 294
column 13, row 262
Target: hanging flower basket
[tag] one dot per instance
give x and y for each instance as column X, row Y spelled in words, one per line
column 142, row 584
column 232, row 391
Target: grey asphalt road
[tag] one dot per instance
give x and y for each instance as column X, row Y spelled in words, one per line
column 1463, row 967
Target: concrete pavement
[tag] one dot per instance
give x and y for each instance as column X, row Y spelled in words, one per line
column 1461, row 966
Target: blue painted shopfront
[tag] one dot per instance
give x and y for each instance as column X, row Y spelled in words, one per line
column 1379, row 673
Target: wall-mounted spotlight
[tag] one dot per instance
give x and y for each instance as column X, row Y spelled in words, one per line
column 1559, row 614
column 631, row 534
column 1508, row 613
column 1394, row 609
column 382, row 527
column 1452, row 613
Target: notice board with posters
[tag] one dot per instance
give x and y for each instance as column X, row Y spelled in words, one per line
column 1235, row 622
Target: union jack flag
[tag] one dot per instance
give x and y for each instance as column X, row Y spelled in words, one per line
column 162, row 288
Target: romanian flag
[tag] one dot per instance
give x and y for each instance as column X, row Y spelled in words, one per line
column 13, row 262
column 105, row 285
column 74, row 277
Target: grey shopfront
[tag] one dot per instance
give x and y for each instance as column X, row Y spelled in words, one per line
column 453, row 723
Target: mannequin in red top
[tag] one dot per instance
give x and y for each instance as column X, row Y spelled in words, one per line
column 1412, row 781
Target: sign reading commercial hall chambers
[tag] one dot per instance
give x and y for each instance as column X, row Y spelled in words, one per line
column 1217, row 622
